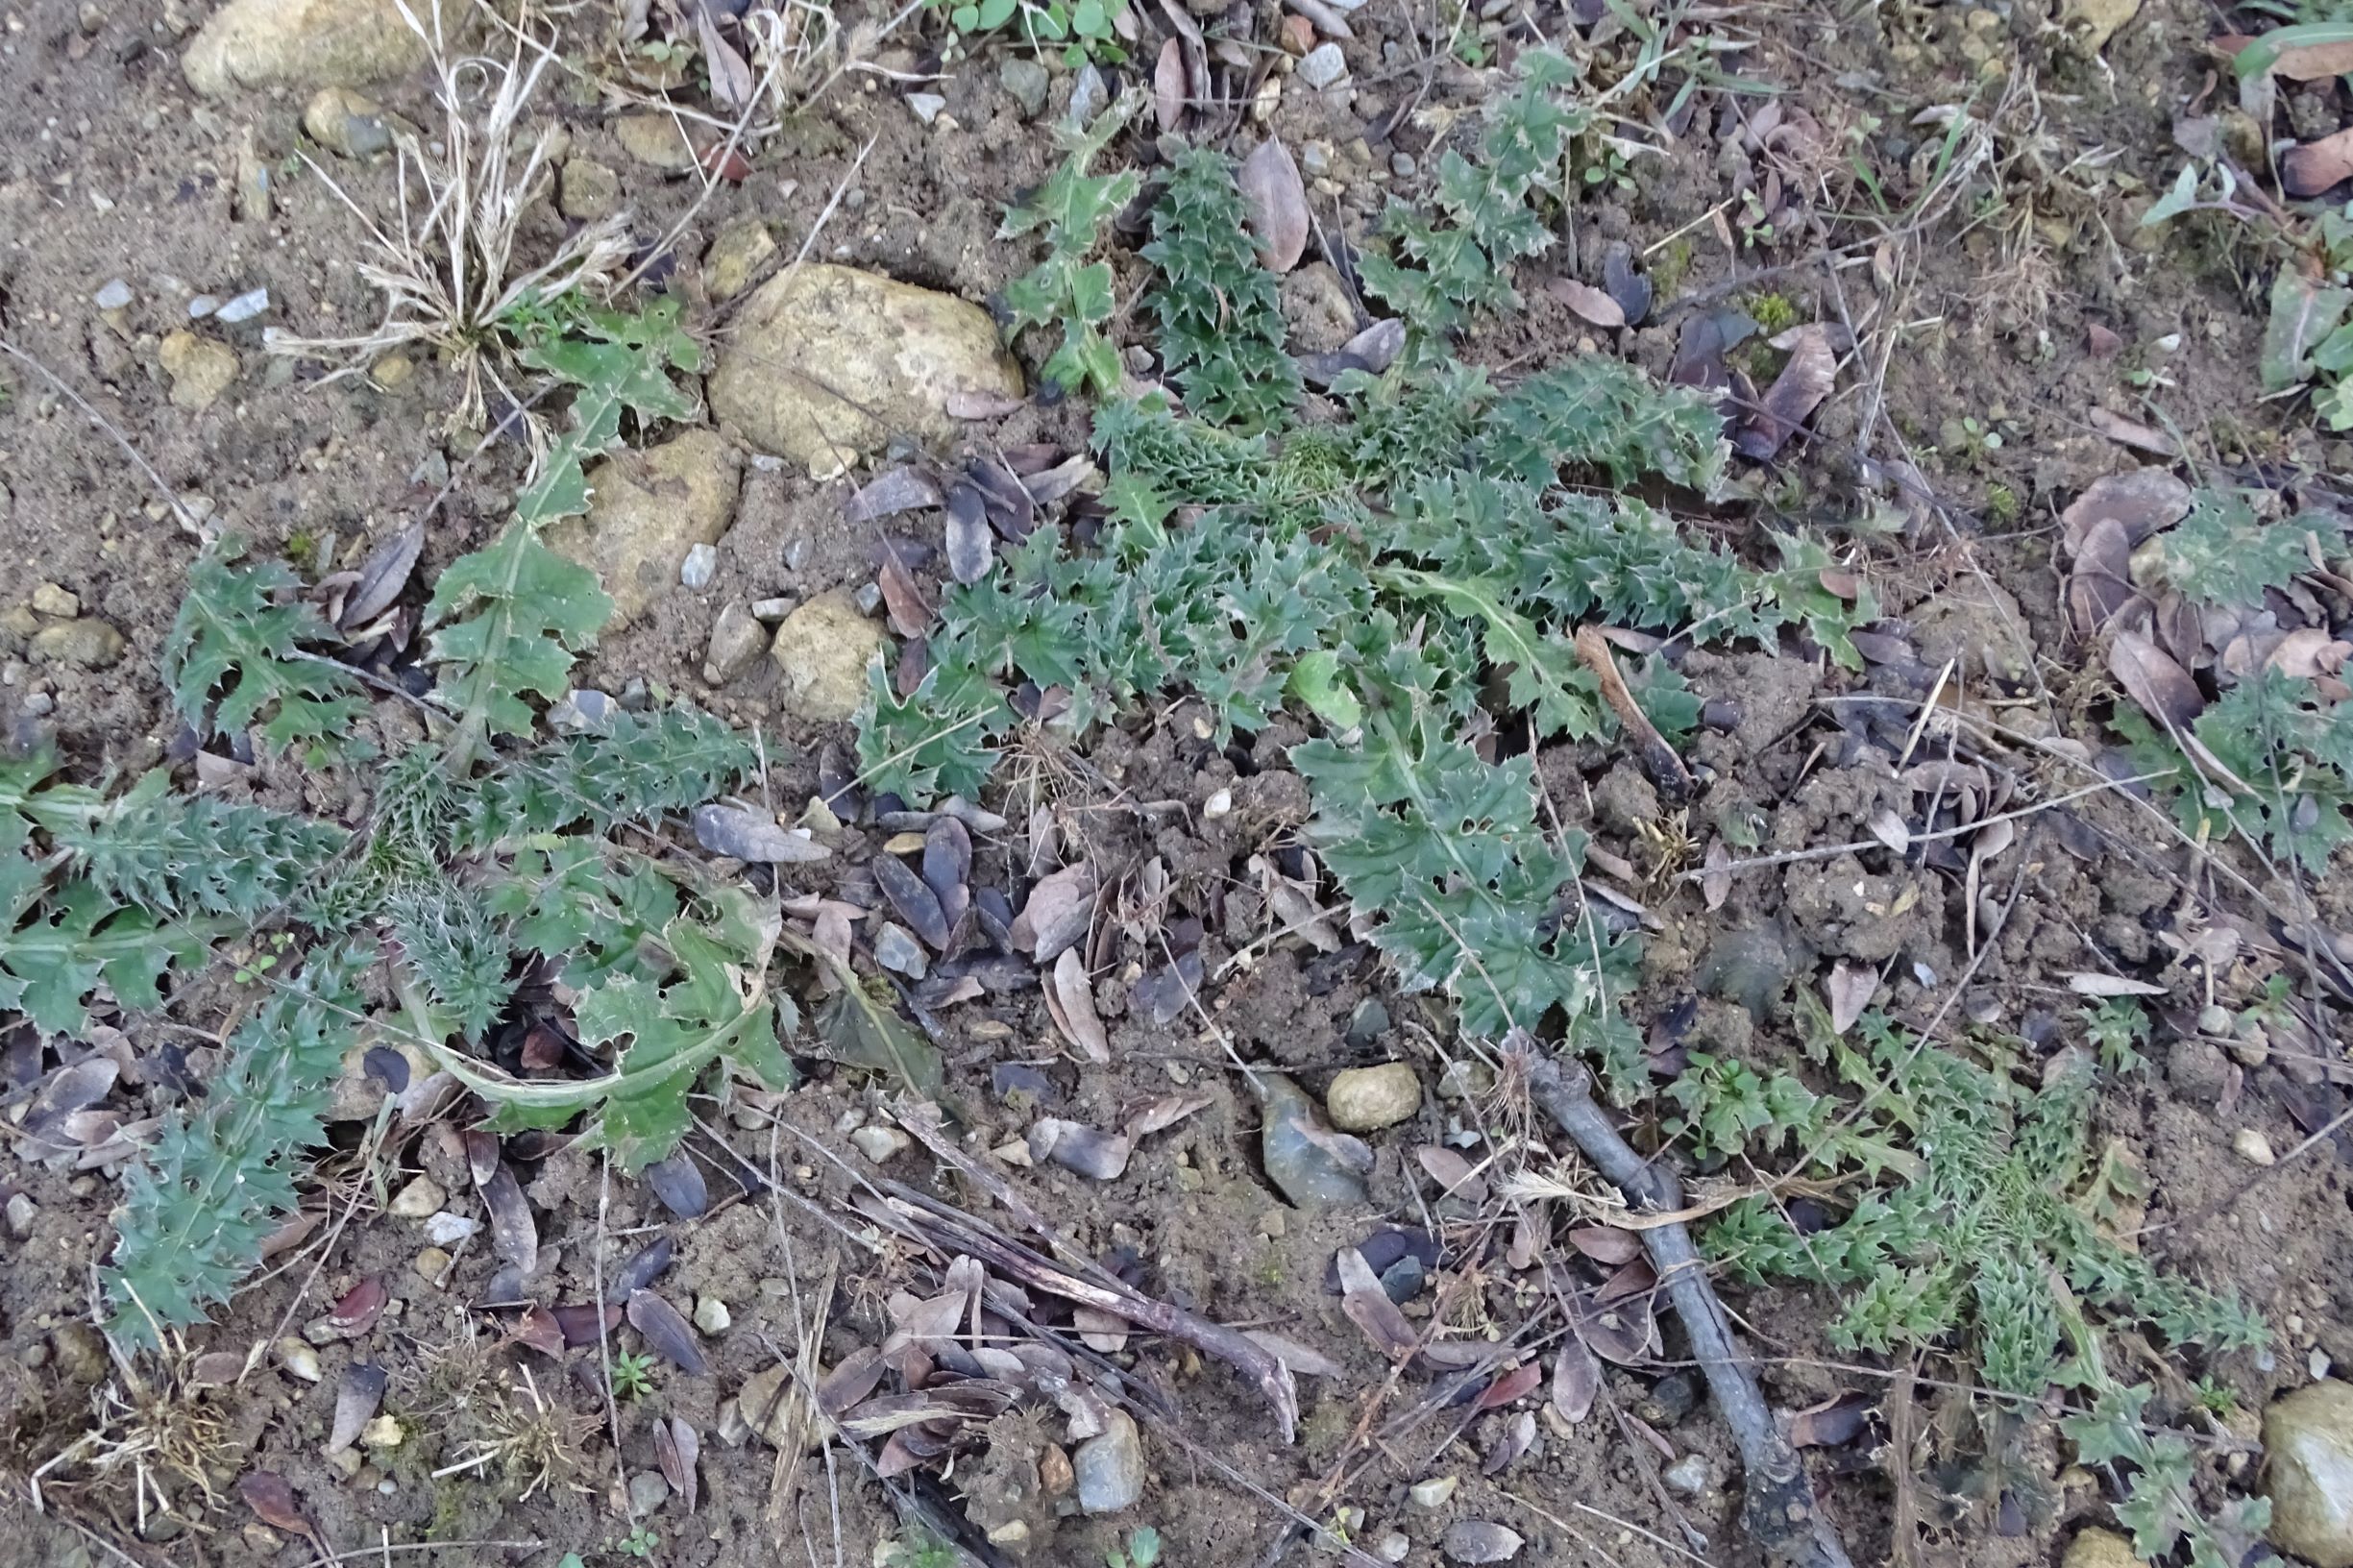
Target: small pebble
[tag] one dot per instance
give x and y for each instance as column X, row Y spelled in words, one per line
column 447, row 1230
column 773, row 609
column 1435, row 1492
column 419, row 1198
column 1361, row 1099
column 431, row 1266
column 1323, row 65
column 244, row 307
column 203, row 305
column 1402, row 164
column 1027, row 81
column 896, row 948
column 647, row 1492
column 879, row 1143
column 384, row 1431
column 927, row 106
column 1109, row 1467
column 1688, row 1475
column 868, row 597
column 298, row 1359
column 2253, row 1147
column 114, row 297
column 702, row 564
column 711, row 1315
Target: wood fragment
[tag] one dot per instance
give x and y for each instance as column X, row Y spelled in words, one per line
column 1651, row 748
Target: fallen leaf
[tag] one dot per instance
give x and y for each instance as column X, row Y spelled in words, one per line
column 2161, row 687
column 273, row 1503
column 914, row 900
column 963, row 403
column 2312, row 168
column 1168, row 85
column 895, row 490
column 1369, row 1307
column 357, row 1395
column 514, row 1235
column 1519, row 1437
column 1804, row 381
column 2111, row 985
column 731, row 80
column 2309, row 651
column 1588, row 302
column 1166, row 1113
column 583, row 1323
column 1831, row 1423
column 1716, row 879
column 1452, row 1173
column 667, row 1332
column 1100, row 1331
column 1577, row 1378
column 2312, row 61
column 1059, row 912
column 676, row 1447
column 2126, row 433
column 539, row 1329
column 1849, row 988
column 1889, row 829
column 1310, row 1363
column 2303, row 313
column 358, row 1307
column 859, row 1030
column 909, row 613
column 1092, row 1153
column 1606, row 1243
column 382, row 576
column 677, row 1182
column 1271, row 184
column 1074, row 1012
column 1516, row 1383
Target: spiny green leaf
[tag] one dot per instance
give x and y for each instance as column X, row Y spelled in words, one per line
column 236, row 655
column 618, row 363
column 511, row 616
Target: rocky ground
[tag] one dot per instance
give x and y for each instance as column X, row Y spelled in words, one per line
column 182, row 184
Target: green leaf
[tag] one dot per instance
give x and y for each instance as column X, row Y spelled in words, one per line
column 1316, row 681
column 622, row 363
column 2174, row 202
column 967, row 19
column 2223, row 554
column 2303, row 315
column 510, row 617
column 861, row 1029
column 1088, row 19
column 236, row 655
column 2259, row 57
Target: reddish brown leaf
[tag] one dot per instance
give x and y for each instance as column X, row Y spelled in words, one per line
column 1516, row 1383
column 1804, row 381
column 273, row 1503
column 1271, row 184
column 577, row 1322
column 849, row 1382
column 1369, row 1307
column 1619, row 1332
column 909, row 613
column 514, row 1235
column 481, row 1156
column 1830, row 1424
column 1168, row 85
column 359, row 1307
column 1519, row 1437
column 2312, row 168
column 727, row 163
column 2163, row 688
column 538, row 1329
column 1452, row 1173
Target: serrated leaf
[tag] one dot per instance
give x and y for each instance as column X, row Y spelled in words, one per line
column 2303, row 314
column 860, row 1029
column 511, row 617
column 236, row 655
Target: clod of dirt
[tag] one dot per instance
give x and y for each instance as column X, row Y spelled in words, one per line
column 741, row 250
column 88, row 642
column 1364, row 1099
column 200, row 369
column 648, row 510
column 655, row 142
column 1316, row 304
column 1752, row 967
column 822, row 650
column 1109, row 1466
column 2308, row 1440
column 587, row 190
column 828, row 362
column 267, row 43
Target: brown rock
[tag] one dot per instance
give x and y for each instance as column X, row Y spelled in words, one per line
column 312, row 43
column 646, row 510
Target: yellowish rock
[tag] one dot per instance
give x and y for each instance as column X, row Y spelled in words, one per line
column 646, row 510
column 312, row 43
column 200, row 369
column 2097, row 1547
column 822, row 651
column 741, row 250
column 88, row 642
column 828, row 362
column 587, row 190
column 654, row 140
column 2096, row 21
column 1363, row 1099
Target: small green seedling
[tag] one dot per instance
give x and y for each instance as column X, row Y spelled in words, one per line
column 1141, row 1550
column 632, row 1375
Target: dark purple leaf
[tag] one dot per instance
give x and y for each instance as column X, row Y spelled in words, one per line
column 677, row 1182
column 357, row 1396
column 644, row 1267
column 667, row 1332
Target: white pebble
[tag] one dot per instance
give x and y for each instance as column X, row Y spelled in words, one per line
column 2253, row 1147
column 1323, row 65
column 114, row 297
column 701, row 562
column 245, row 306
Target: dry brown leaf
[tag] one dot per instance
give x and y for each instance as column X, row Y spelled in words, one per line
column 2126, row 433
column 2111, row 985
column 676, row 1449
column 1369, row 1307
column 1716, row 879
column 1577, row 1378
column 1269, row 181
column 1590, row 303
column 1306, row 1363
column 1804, row 381
column 2309, row 651
column 2143, row 501
column 1074, row 1012
column 2161, row 687
column 1452, row 1173
column 2312, row 168
column 1168, row 85
column 1850, row 989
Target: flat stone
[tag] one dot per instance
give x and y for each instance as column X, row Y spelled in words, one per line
column 2308, row 1474
column 1027, row 81
column 741, row 250
column 1688, row 1475
column 1480, row 1540
column 654, row 140
column 1433, row 1492
column 737, row 642
column 896, row 948
column 828, row 363
column 700, row 566
column 347, row 123
column 822, row 650
column 1109, row 1467
column 115, row 295
column 312, row 43
column 200, row 368
column 927, row 106
column 1361, row 1099
column 646, row 510
column 90, row 642
column 446, row 1229
column 2253, row 1147
column 647, row 1492
column 1318, row 306
column 880, row 1144
column 587, row 190
column 1300, row 1157
column 711, row 1315
column 2096, row 21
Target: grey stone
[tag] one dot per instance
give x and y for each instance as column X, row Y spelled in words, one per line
column 2308, row 1474
column 583, row 711
column 896, row 948
column 927, row 106
column 1027, row 81
column 244, row 307
column 655, row 142
column 647, row 1491
column 587, row 190
column 700, row 565
column 1402, row 1281
column 737, row 642
column 1688, row 1475
column 113, row 296
column 880, row 1144
column 1480, row 1540
column 1323, row 65
column 347, row 123
column 90, row 642
column 1109, row 1466
column 1088, row 95
column 747, row 835
column 1300, row 1157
